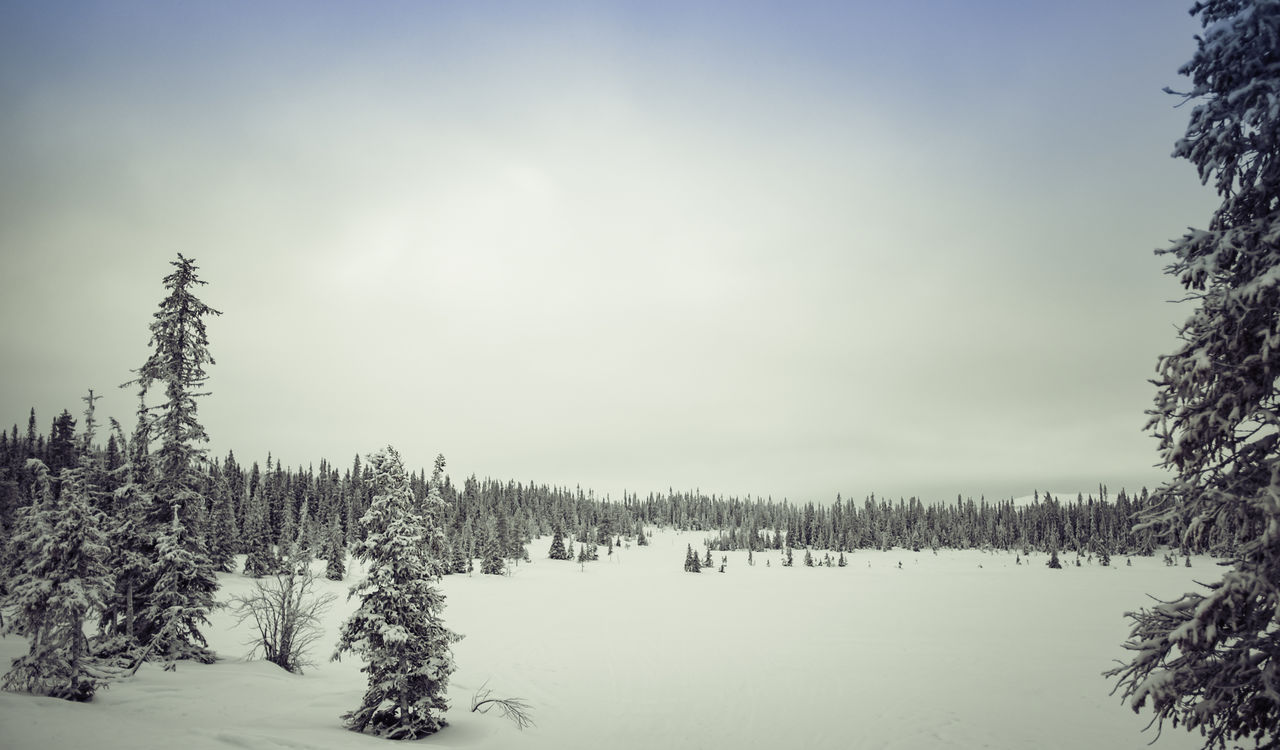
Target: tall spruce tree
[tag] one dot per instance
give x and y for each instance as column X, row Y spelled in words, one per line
column 492, row 562
column 397, row 628
column 433, row 509
column 180, row 351
column 173, row 480
column 222, row 527
column 260, row 557
column 1210, row 660
column 335, row 551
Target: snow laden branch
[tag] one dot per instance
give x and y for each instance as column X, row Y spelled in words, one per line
column 1210, row 659
column 516, row 709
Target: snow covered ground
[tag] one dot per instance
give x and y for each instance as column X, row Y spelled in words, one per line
column 957, row 650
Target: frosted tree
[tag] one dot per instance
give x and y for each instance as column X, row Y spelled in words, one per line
column 460, row 552
column 1210, row 660
column 57, row 578
column 129, row 537
column 691, row 564
column 492, row 562
column 433, row 512
column 557, row 551
column 335, row 554
column 397, row 628
column 222, row 528
column 180, row 351
column 175, row 483
column 260, row 557
column 182, row 597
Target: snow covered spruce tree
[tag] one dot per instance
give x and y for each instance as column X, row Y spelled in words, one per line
column 557, row 551
column 1210, row 660
column 397, row 628
column 57, row 578
column 168, row 619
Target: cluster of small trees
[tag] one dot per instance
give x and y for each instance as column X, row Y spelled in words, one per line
column 130, row 536
column 119, row 541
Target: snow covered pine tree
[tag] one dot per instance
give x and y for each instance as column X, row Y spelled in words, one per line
column 57, row 578
column 397, row 628
column 177, row 594
column 1211, row 660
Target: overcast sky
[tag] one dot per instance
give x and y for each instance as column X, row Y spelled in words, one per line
column 769, row 249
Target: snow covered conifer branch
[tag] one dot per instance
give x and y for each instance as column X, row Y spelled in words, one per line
column 1210, row 660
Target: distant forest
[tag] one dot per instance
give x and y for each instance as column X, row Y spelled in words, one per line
column 260, row 509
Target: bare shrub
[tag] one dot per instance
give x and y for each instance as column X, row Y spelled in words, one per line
column 286, row 612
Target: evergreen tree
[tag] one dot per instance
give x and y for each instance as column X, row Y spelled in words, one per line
column 557, row 545
column 335, row 551
column 460, row 550
column 222, row 529
column 1104, row 553
column 691, row 564
column 130, row 537
column 182, row 597
column 179, row 354
column 493, row 562
column 32, row 441
column 287, row 542
column 397, row 628
column 62, row 444
column 57, row 578
column 304, row 552
column 259, row 559
column 433, row 507
column 1209, row 660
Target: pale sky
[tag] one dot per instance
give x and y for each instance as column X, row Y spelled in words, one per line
column 768, row 249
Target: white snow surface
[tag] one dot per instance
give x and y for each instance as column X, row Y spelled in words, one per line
column 963, row 649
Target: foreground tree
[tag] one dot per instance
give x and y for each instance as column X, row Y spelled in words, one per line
column 1210, row 660
column 57, row 578
column 397, row 628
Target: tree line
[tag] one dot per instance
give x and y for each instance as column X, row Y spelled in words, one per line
column 261, row 510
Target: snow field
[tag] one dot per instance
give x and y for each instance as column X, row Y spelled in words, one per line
column 954, row 650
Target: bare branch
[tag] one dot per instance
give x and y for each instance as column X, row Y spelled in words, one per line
column 516, row 709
